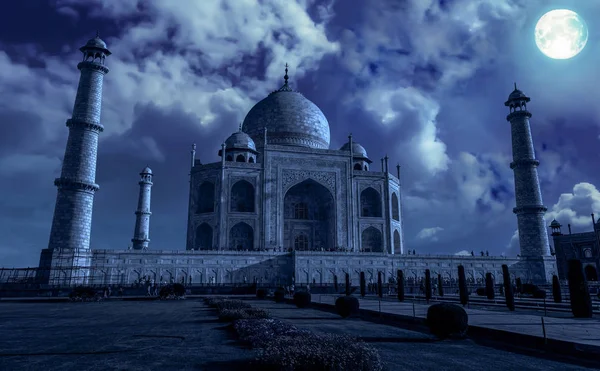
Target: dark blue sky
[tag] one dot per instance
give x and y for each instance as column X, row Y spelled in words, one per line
column 421, row 81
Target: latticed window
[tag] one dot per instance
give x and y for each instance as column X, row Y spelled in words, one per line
column 301, row 242
column 301, row 210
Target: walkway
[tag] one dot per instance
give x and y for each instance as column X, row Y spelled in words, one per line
column 581, row 331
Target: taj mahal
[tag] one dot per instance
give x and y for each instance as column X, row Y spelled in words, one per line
column 280, row 206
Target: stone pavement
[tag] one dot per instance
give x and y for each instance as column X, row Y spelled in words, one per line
column 581, row 331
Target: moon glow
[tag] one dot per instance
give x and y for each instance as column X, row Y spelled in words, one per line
column 561, row 34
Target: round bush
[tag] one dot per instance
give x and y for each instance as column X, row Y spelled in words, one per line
column 82, row 293
column 529, row 288
column 346, row 306
column 539, row 294
column 302, row 299
column 480, row 291
column 172, row 291
column 261, row 293
column 279, row 295
column 178, row 289
column 447, row 320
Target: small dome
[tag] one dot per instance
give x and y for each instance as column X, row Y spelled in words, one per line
column 96, row 42
column 147, row 170
column 357, row 149
column 240, row 140
column 555, row 224
column 516, row 94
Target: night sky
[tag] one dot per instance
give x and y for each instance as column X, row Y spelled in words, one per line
column 422, row 81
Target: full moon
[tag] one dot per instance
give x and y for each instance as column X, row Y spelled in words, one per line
column 561, row 34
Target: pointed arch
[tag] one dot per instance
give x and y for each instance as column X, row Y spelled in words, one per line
column 358, row 166
column 240, row 158
column 242, row 197
column 370, row 203
column 206, row 198
column 204, row 237
column 241, row 237
column 395, row 207
column 309, row 209
column 397, row 243
column 372, row 240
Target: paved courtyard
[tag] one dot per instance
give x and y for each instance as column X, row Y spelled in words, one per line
column 184, row 335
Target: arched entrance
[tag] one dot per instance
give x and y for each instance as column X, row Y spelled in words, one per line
column 591, row 274
column 241, row 237
column 204, row 237
column 309, row 217
column 206, row 198
column 397, row 247
column 242, row 197
column 370, row 203
column 372, row 240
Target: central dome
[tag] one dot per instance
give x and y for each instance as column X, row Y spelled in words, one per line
column 290, row 120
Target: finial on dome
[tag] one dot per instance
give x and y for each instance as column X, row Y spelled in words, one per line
column 240, row 127
column 285, row 77
column 516, row 86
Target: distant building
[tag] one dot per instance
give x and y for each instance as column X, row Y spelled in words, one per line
column 583, row 246
column 279, row 207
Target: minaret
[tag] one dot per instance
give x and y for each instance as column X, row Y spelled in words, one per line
column 141, row 233
column 72, row 221
column 533, row 236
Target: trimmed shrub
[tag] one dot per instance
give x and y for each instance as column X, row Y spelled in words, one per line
column 212, row 302
column 529, row 288
column 581, row 302
column 346, row 306
column 379, row 285
column 261, row 293
column 400, row 282
column 489, row 286
column 440, row 285
column 556, row 293
column 462, row 286
column 231, row 304
column 508, row 289
column 480, row 291
column 347, row 284
column 259, row 332
column 363, row 284
column 172, row 291
column 302, row 299
column 335, row 283
column 427, row 285
column 539, row 294
column 230, row 315
column 447, row 320
column 82, row 293
column 279, row 295
column 319, row 352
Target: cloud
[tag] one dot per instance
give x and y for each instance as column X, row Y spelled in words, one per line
column 463, row 253
column 429, row 233
column 421, row 81
column 571, row 208
column 575, row 208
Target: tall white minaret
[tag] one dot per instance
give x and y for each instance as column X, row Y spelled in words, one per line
column 72, row 221
column 530, row 210
column 141, row 234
